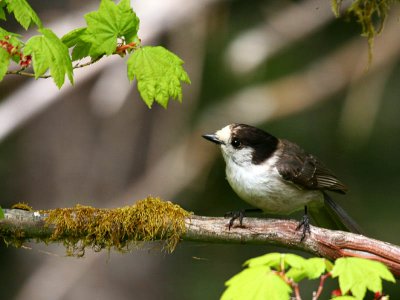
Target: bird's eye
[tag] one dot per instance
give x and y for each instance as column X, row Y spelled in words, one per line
column 236, row 143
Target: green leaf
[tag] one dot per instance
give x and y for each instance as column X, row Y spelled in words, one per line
column 328, row 265
column 159, row 73
column 74, row 39
column 108, row 24
column 312, row 268
column 358, row 274
column 270, row 259
column 129, row 22
column 294, row 260
column 2, row 12
column 344, row 298
column 48, row 52
column 300, row 268
column 257, row 283
column 275, row 260
column 23, row 13
column 1, row 214
column 4, row 62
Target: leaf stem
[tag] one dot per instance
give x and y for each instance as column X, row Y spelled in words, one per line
column 296, row 290
column 321, row 286
column 22, row 71
column 289, row 281
column 122, row 49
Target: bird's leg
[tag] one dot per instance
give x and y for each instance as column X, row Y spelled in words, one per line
column 239, row 214
column 305, row 224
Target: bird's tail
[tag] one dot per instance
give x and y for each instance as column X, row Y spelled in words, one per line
column 333, row 216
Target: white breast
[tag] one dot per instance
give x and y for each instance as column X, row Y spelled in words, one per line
column 263, row 187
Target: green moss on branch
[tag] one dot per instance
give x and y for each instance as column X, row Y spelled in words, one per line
column 118, row 228
column 81, row 226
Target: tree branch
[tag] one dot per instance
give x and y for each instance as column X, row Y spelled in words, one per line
column 23, row 225
column 322, row 242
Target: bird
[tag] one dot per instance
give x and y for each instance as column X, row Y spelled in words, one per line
column 278, row 177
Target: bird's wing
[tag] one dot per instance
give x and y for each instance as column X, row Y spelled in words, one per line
column 305, row 170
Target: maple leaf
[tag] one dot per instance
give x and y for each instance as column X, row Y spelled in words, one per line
column 107, row 24
column 48, row 52
column 359, row 274
column 159, row 74
column 23, row 13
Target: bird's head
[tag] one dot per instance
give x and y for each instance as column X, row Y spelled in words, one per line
column 244, row 144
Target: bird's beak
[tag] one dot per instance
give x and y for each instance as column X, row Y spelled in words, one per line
column 213, row 138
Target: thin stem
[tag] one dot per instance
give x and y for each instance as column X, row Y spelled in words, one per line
column 321, row 286
column 22, row 71
column 91, row 62
column 282, row 266
column 290, row 282
column 296, row 290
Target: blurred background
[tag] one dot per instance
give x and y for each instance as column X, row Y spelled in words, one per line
column 288, row 67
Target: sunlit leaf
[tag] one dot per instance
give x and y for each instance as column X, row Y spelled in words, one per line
column 257, row 283
column 2, row 12
column 159, row 74
column 23, row 13
column 312, row 268
column 276, row 260
column 48, row 52
column 359, row 275
column 107, row 24
column 74, row 39
column 270, row 259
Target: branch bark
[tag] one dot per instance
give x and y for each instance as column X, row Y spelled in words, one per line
column 323, row 242
column 26, row 225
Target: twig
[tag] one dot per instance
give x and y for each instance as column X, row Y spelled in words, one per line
column 296, row 290
column 289, row 281
column 91, row 62
column 22, row 71
column 321, row 242
column 321, row 285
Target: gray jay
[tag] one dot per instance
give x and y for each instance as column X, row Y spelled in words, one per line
column 278, row 177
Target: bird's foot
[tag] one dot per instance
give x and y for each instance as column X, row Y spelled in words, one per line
column 305, row 225
column 239, row 214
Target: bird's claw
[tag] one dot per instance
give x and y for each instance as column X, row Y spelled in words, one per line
column 305, row 224
column 235, row 215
